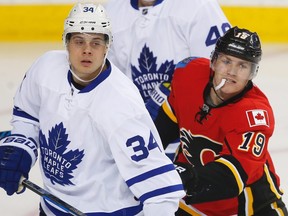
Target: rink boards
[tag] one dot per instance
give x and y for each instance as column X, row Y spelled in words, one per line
column 44, row 22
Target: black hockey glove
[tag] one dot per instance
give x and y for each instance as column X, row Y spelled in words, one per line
column 15, row 162
column 188, row 176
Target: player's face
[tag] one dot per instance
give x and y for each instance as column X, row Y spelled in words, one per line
column 236, row 72
column 86, row 54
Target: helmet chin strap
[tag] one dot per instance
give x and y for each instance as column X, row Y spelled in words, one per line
column 87, row 81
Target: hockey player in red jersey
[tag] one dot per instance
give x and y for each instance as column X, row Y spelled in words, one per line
column 225, row 122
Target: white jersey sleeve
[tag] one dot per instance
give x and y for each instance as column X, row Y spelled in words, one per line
column 27, row 100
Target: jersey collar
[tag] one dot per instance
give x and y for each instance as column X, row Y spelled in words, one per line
column 134, row 3
column 102, row 76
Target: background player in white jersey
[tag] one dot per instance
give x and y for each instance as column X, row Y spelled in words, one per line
column 99, row 149
column 151, row 36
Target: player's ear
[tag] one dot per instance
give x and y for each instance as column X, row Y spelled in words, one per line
column 212, row 64
column 213, row 59
column 106, row 50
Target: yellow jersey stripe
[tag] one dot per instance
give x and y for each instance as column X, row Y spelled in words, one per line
column 249, row 201
column 189, row 209
column 277, row 209
column 235, row 173
column 168, row 111
column 271, row 183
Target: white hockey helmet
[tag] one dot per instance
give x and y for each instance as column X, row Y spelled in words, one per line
column 87, row 18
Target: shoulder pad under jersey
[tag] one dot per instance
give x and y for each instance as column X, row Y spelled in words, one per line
column 184, row 62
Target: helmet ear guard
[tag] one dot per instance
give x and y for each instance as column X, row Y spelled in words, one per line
column 87, row 18
column 254, row 72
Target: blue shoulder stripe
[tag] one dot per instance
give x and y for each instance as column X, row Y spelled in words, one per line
column 18, row 112
column 161, row 191
column 149, row 174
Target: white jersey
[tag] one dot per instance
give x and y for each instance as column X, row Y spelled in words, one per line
column 99, row 148
column 149, row 41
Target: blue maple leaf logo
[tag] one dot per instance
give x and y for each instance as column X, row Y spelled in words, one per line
column 149, row 76
column 57, row 163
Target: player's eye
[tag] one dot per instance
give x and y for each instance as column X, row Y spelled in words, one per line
column 226, row 61
column 78, row 42
column 243, row 65
column 97, row 43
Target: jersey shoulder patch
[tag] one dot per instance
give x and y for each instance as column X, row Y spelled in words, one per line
column 257, row 117
column 184, row 62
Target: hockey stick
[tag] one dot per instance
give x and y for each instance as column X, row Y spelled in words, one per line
column 50, row 197
column 4, row 133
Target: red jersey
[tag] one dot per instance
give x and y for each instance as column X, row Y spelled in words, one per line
column 234, row 135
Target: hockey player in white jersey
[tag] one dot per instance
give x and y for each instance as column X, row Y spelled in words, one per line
column 98, row 147
column 151, row 36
